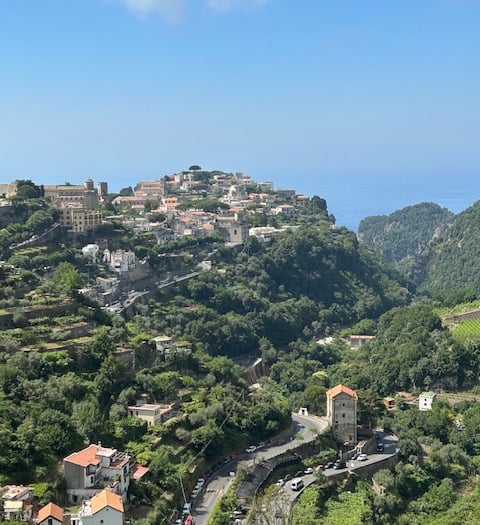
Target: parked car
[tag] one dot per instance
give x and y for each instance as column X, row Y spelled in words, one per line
column 308, row 470
column 329, row 465
column 280, row 483
column 250, row 449
column 288, row 477
column 380, row 447
column 362, row 457
column 298, row 474
column 339, row 464
column 355, row 456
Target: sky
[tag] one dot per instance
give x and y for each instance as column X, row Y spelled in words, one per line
column 319, row 95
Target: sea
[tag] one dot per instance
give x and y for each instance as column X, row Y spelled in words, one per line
column 352, row 198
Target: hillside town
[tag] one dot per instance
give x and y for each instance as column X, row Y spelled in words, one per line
column 196, row 350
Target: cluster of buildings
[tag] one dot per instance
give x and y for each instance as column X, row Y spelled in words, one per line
column 105, row 507
column 80, row 210
column 97, row 480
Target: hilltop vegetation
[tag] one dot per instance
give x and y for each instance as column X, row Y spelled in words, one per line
column 404, row 236
column 453, row 265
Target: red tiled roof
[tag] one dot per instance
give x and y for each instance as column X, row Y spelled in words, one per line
column 106, row 498
column 138, row 471
column 333, row 392
column 50, row 510
column 85, row 457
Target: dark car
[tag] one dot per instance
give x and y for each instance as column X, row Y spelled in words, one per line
column 299, row 474
column 380, row 447
column 339, row 464
column 288, row 477
column 329, row 464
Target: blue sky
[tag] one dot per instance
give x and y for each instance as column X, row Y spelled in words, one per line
column 285, row 90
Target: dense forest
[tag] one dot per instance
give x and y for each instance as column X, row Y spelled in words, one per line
column 452, row 266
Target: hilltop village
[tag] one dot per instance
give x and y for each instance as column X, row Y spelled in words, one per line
column 208, row 349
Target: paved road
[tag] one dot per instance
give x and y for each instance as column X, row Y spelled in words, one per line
column 277, row 510
column 305, row 426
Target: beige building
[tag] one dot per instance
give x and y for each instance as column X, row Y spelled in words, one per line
column 16, row 503
column 342, row 414
column 153, row 414
column 78, row 219
column 85, row 195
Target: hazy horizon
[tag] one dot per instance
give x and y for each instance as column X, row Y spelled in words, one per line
column 328, row 95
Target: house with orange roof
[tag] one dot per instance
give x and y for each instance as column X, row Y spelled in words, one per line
column 104, row 508
column 51, row 514
column 342, row 414
column 94, row 468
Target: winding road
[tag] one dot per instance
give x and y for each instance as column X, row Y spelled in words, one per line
column 304, row 429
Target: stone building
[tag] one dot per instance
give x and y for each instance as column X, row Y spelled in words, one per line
column 342, row 414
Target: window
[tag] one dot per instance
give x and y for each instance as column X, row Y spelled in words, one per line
column 50, row 521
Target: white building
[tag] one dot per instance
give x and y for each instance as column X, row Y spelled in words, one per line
column 105, row 508
column 425, row 400
column 94, row 468
column 91, row 252
column 153, row 414
column 120, row 261
column 264, row 234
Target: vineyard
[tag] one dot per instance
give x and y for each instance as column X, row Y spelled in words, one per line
column 467, row 330
column 458, row 309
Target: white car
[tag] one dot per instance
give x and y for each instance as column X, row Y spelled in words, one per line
column 250, row 449
column 362, row 457
column 308, row 470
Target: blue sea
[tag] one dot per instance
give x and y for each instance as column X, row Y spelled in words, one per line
column 352, row 198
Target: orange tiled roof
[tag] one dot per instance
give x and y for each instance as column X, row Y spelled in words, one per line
column 85, row 457
column 333, row 392
column 106, row 498
column 50, row 510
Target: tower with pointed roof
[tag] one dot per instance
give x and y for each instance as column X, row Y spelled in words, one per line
column 342, row 414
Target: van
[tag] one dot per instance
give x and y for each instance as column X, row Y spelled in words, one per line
column 297, row 484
